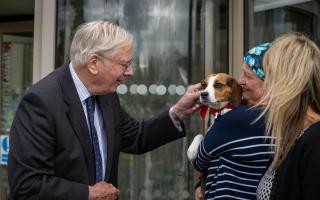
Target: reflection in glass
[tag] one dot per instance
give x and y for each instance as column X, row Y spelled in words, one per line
column 272, row 19
column 216, row 36
column 16, row 75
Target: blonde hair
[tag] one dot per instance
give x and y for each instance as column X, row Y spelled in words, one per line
column 99, row 37
column 292, row 68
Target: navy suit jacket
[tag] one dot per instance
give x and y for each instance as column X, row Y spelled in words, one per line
column 50, row 148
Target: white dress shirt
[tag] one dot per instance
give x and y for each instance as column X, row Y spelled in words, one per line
column 83, row 95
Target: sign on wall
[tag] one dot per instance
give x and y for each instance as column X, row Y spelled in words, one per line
column 4, row 150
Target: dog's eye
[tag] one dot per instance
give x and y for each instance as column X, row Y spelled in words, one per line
column 203, row 84
column 218, row 85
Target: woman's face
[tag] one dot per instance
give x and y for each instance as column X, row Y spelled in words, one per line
column 251, row 85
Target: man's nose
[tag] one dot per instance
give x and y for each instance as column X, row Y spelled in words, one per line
column 129, row 71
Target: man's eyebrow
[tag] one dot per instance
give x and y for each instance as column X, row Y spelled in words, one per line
column 129, row 61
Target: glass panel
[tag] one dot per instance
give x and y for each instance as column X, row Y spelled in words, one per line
column 16, row 77
column 169, row 47
column 216, row 36
column 273, row 18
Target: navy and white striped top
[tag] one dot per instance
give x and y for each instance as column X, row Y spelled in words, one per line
column 235, row 152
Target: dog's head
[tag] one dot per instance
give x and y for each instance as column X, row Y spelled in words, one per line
column 219, row 90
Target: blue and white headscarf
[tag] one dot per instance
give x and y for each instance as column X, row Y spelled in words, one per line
column 254, row 59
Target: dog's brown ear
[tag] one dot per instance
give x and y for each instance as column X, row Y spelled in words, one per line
column 230, row 82
column 203, row 84
column 236, row 92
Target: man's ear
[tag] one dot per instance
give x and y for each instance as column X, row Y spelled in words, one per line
column 92, row 64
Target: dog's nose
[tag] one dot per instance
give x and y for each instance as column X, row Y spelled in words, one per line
column 204, row 94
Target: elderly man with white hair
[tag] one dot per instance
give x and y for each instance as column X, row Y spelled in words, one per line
column 69, row 128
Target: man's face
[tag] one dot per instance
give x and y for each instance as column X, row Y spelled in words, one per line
column 113, row 70
column 251, row 85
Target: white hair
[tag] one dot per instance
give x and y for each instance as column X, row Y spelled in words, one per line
column 101, row 37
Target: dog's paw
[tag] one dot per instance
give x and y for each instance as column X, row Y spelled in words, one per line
column 193, row 148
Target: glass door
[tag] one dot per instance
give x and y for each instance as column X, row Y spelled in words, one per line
column 174, row 43
column 16, row 76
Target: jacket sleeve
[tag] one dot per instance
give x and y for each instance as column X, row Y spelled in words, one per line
column 31, row 158
column 138, row 137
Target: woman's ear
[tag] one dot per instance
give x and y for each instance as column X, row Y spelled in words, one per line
column 92, row 64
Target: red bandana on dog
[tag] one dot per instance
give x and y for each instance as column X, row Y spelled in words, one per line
column 213, row 111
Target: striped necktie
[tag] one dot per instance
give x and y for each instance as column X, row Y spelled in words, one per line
column 90, row 102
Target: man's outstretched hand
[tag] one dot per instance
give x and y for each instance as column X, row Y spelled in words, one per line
column 188, row 103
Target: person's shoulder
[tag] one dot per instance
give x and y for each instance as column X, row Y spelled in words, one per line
column 241, row 122
column 243, row 112
column 48, row 87
column 314, row 128
column 311, row 135
column 52, row 79
column 241, row 119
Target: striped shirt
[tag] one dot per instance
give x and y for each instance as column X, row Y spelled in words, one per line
column 235, row 153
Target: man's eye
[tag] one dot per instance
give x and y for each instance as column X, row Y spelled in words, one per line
column 218, row 85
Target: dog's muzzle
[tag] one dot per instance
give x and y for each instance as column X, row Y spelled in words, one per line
column 204, row 97
column 204, row 100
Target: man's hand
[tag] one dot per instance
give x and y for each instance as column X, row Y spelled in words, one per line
column 188, row 103
column 103, row 191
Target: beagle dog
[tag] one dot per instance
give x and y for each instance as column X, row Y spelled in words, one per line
column 220, row 94
column 219, row 90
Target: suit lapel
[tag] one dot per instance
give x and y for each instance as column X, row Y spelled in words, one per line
column 108, row 124
column 77, row 119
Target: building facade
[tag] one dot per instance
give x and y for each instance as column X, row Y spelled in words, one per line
column 176, row 43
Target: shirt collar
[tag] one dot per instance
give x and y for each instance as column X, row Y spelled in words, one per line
column 81, row 88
